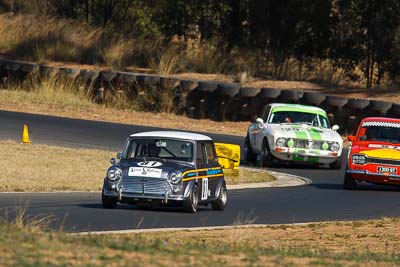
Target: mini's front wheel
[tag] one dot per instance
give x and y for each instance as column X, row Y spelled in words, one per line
column 190, row 203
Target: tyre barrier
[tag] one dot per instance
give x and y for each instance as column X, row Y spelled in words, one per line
column 199, row 97
column 241, row 107
column 290, row 96
column 205, row 99
column 312, row 98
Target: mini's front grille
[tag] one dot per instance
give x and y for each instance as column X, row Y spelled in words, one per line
column 140, row 185
column 383, row 161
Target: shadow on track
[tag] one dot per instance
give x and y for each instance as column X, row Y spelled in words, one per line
column 360, row 187
column 142, row 207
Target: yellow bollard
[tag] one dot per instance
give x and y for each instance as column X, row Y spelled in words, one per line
column 25, row 135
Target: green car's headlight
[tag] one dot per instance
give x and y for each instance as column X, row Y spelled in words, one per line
column 335, row 146
column 281, row 142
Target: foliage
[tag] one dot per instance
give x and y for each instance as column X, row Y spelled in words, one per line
column 358, row 38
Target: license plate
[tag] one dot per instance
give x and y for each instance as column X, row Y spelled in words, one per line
column 387, row 169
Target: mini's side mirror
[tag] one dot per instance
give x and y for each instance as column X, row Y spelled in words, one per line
column 119, row 155
column 112, row 161
column 351, row 138
column 335, row 127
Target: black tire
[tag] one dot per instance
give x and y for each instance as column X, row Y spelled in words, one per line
column 220, row 202
column 269, row 93
column 247, row 92
column 29, row 68
column 126, row 77
column 191, row 202
column 313, row 98
column 336, row 101
column 228, row 89
column 89, row 75
column 266, row 158
column 249, row 156
column 68, row 72
column 107, row 76
column 168, row 83
column 207, row 86
column 290, row 96
column 349, row 183
column 337, row 165
column 395, row 109
column 380, row 106
column 355, row 103
column 189, row 85
column 108, row 202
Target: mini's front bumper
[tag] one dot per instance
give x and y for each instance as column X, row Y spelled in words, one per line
column 306, row 155
column 374, row 177
column 133, row 196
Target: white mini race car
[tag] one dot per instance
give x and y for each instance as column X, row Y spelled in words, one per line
column 296, row 133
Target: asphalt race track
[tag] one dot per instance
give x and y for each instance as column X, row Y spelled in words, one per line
column 322, row 200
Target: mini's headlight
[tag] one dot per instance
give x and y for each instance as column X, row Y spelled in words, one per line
column 359, row 159
column 175, row 177
column 281, row 142
column 114, row 174
column 335, row 146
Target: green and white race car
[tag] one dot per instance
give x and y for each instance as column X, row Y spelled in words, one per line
column 291, row 132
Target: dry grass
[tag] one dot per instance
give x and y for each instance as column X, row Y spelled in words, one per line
column 365, row 243
column 23, row 101
column 246, row 175
column 50, row 168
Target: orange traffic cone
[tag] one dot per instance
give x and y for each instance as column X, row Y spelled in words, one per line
column 25, row 135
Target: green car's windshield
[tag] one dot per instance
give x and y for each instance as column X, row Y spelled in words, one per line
column 158, row 148
column 299, row 117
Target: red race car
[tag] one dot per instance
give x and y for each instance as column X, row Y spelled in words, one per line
column 374, row 155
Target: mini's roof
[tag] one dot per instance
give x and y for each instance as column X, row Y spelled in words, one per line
column 173, row 134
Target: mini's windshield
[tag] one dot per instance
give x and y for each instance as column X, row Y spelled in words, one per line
column 299, row 117
column 380, row 134
column 158, row 148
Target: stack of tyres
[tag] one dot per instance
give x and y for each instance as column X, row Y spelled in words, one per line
column 200, row 98
column 264, row 97
column 378, row 108
column 356, row 109
column 290, row 96
column 334, row 106
column 188, row 87
column 48, row 71
column 220, row 100
column 126, row 84
column 395, row 111
column 240, row 108
column 104, row 86
column 27, row 70
column 312, row 98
